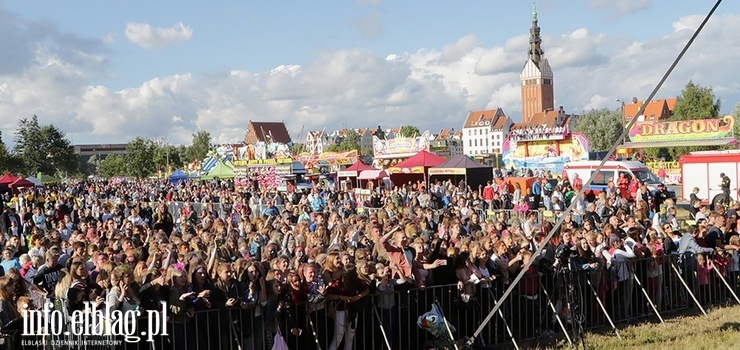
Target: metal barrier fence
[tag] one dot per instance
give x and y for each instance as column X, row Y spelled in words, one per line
column 541, row 305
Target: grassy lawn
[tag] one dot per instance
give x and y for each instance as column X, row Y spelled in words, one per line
column 720, row 331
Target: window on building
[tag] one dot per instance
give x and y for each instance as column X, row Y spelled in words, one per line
column 476, row 142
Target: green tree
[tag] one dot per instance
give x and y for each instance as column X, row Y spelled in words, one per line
column 200, row 147
column 299, row 148
column 44, row 148
column 736, row 114
column 350, row 141
column 167, row 157
column 93, row 165
column 602, row 127
column 140, row 155
column 113, row 165
column 409, row 131
column 8, row 162
column 695, row 102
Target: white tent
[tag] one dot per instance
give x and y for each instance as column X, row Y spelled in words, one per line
column 34, row 180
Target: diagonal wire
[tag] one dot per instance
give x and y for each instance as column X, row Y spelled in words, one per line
column 593, row 176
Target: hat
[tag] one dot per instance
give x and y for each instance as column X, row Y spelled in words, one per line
column 613, row 239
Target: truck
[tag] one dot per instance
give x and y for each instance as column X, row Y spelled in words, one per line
column 702, row 170
column 611, row 170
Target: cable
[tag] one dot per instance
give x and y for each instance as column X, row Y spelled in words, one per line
column 591, row 179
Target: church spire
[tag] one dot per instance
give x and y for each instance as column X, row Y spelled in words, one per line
column 535, row 50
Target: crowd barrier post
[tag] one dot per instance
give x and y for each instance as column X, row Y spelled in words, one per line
column 506, row 324
column 688, row 289
column 650, row 301
column 382, row 328
column 557, row 316
column 603, row 309
column 724, row 281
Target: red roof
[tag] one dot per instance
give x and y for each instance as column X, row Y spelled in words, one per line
column 20, row 183
column 423, row 158
column 7, row 179
column 359, row 166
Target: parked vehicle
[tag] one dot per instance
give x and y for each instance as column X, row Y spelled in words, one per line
column 611, row 171
column 703, row 169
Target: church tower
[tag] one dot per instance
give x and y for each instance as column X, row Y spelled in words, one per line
column 536, row 77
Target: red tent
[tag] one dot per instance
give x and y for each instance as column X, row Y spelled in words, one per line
column 7, row 179
column 21, row 183
column 414, row 167
column 354, row 169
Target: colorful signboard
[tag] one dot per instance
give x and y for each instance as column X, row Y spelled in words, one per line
column 332, row 158
column 682, row 130
column 447, row 171
column 545, row 154
column 400, row 147
column 257, row 162
column 261, row 150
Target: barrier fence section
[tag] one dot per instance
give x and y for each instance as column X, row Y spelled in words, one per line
column 543, row 304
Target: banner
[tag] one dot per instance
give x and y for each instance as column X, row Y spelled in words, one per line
column 332, row 158
column 272, row 161
column 447, row 171
column 682, row 130
column 400, row 147
column 544, row 154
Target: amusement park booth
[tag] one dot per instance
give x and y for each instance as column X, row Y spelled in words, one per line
column 461, row 167
column 414, row 168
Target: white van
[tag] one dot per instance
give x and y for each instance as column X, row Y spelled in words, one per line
column 612, row 170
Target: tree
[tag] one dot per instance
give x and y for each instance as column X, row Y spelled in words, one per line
column 44, row 148
column 602, row 128
column 350, row 141
column 166, row 157
column 695, row 102
column 409, row 131
column 200, row 147
column 113, row 165
column 8, row 163
column 140, row 158
column 93, row 165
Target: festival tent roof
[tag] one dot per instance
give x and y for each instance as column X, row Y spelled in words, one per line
column 220, row 171
column 35, row 181
column 417, row 164
column 7, row 179
column 354, row 169
column 177, row 176
column 462, row 166
column 21, row 183
column 372, row 174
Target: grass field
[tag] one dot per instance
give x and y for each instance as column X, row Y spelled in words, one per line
column 720, row 331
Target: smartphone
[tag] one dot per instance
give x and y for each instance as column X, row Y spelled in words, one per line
column 444, row 262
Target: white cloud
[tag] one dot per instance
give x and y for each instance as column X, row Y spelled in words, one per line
column 429, row 88
column 149, row 37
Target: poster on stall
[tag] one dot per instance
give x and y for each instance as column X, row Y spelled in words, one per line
column 545, row 154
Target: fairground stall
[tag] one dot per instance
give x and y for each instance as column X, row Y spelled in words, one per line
column 462, row 168
column 701, row 132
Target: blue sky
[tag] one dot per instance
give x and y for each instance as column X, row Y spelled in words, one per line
column 111, row 71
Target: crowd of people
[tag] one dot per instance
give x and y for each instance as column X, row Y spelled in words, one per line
column 327, row 269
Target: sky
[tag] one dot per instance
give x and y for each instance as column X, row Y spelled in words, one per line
column 110, row 71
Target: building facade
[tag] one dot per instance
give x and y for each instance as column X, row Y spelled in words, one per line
column 484, row 132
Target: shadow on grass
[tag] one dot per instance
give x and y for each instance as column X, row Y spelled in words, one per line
column 734, row 326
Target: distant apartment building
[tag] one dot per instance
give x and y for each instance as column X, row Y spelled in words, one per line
column 484, row 132
column 317, row 142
